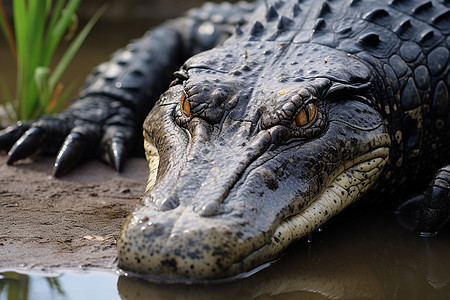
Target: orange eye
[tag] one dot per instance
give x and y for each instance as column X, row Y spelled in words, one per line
column 185, row 105
column 306, row 115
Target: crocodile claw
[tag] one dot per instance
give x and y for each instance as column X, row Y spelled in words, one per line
column 27, row 145
column 79, row 145
column 69, row 154
column 115, row 143
column 11, row 134
column 116, row 154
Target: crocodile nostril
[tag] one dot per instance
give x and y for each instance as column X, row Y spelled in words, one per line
column 171, row 202
column 210, row 209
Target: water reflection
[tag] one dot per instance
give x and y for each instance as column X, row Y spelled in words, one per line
column 69, row 285
column 13, row 286
column 368, row 257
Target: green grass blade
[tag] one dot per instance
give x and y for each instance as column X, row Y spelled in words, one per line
column 73, row 48
column 41, row 75
column 36, row 113
column 56, row 14
column 36, row 94
column 20, row 27
column 59, row 29
column 37, row 23
column 48, row 8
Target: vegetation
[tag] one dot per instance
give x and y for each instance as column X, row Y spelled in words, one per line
column 38, row 28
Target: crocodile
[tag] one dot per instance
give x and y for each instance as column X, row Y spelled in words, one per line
column 282, row 114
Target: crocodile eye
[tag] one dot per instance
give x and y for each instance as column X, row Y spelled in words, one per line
column 185, row 105
column 306, row 115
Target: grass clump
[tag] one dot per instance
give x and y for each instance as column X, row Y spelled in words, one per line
column 38, row 28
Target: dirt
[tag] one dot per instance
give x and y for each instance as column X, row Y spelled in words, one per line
column 69, row 222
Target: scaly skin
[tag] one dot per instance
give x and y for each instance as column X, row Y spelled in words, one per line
column 306, row 108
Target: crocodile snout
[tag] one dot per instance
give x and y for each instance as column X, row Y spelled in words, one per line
column 168, row 245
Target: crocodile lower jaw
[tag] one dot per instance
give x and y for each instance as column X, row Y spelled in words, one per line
column 351, row 180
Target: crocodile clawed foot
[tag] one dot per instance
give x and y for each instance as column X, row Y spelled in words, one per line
column 80, row 133
column 435, row 210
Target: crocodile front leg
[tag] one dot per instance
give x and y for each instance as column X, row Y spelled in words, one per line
column 105, row 118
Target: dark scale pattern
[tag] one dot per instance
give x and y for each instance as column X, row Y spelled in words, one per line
column 410, row 51
column 437, row 60
column 422, row 77
column 406, row 43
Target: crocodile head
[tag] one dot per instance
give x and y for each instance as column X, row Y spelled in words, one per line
column 250, row 150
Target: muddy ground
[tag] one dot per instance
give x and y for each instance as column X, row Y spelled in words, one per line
column 71, row 222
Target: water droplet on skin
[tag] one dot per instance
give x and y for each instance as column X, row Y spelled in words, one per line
column 210, row 209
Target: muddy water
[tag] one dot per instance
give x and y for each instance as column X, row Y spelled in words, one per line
column 69, row 285
column 357, row 256
column 367, row 256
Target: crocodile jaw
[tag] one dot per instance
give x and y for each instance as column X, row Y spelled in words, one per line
column 354, row 179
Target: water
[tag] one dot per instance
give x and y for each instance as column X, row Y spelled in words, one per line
column 357, row 256
column 68, row 285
